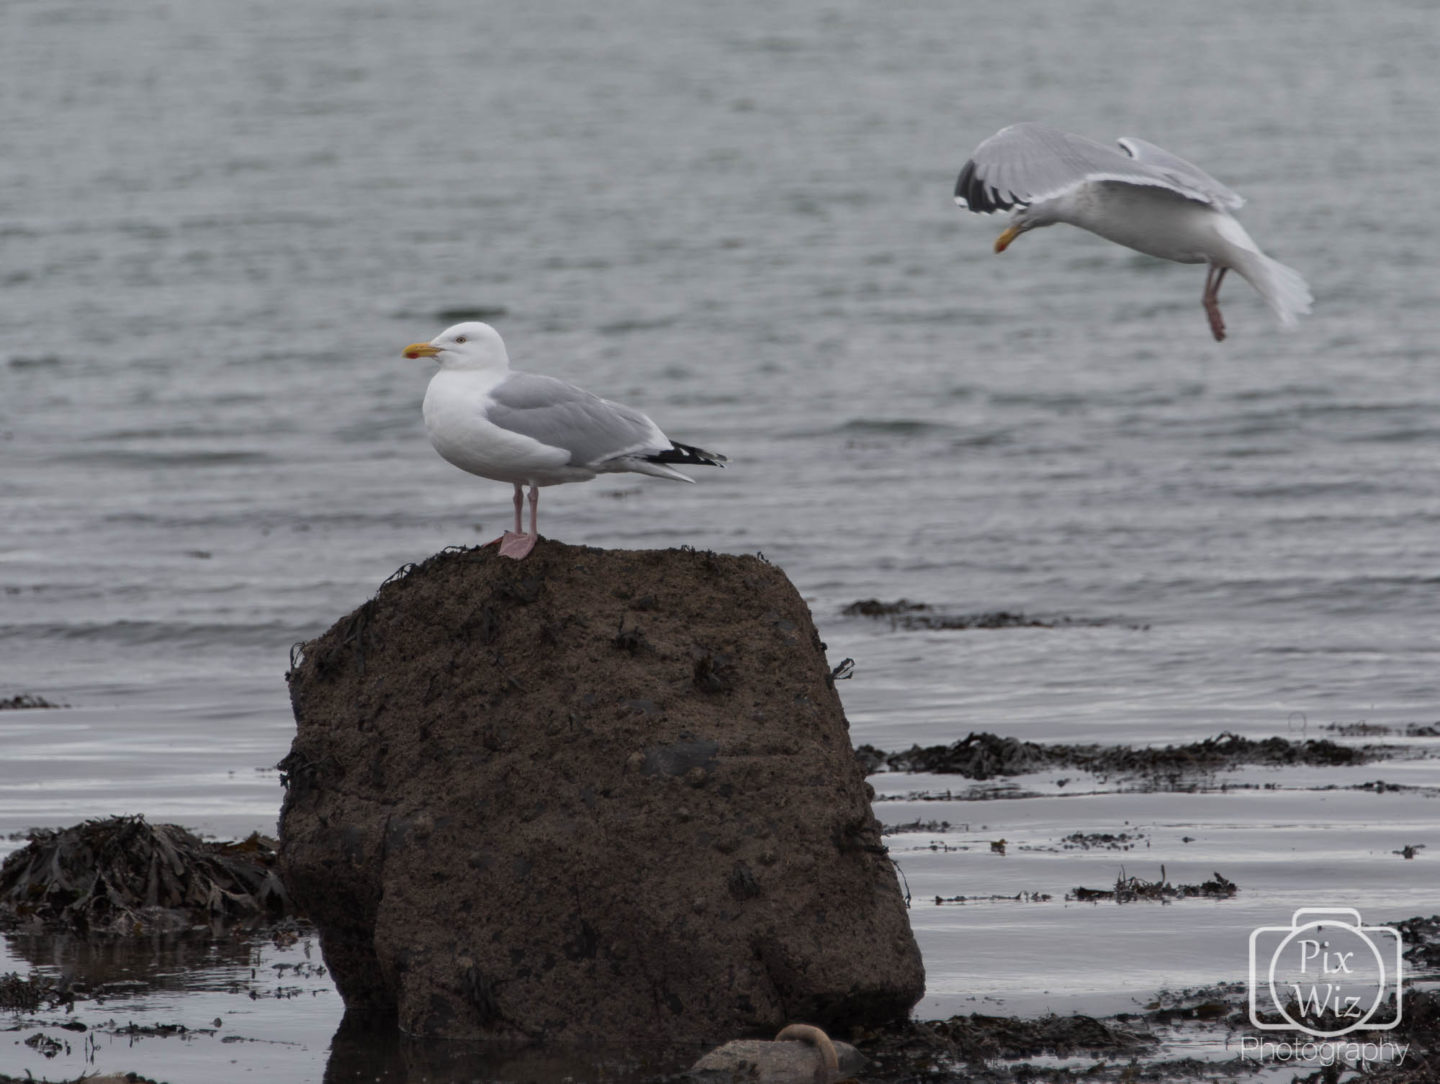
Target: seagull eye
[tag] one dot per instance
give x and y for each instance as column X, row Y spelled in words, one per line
column 459, row 338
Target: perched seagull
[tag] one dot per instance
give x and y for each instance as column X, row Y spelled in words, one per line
column 1144, row 198
column 533, row 430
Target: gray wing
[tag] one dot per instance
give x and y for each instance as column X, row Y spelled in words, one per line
column 561, row 415
column 1183, row 172
column 1028, row 163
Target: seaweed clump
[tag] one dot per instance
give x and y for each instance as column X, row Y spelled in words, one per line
column 984, row 756
column 1132, row 889
column 26, row 701
column 26, row 995
column 122, row 875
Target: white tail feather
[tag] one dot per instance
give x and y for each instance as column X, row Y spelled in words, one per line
column 643, row 466
column 1282, row 287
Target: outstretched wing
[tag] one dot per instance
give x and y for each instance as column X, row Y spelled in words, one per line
column 1179, row 170
column 1029, row 163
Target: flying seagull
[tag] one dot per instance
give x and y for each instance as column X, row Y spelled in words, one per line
column 525, row 429
column 1139, row 196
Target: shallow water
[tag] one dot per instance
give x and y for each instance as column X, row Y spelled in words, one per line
column 220, row 224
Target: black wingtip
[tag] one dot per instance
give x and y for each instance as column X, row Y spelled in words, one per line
column 685, row 453
column 963, row 183
column 974, row 194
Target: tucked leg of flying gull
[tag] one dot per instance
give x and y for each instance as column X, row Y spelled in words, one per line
column 1211, row 300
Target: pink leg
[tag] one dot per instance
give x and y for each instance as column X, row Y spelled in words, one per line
column 519, row 504
column 519, row 545
column 1211, row 300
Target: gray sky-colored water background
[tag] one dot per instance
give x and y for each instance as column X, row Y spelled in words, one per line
column 220, row 223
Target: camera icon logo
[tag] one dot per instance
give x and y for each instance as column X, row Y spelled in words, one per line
column 1325, row 974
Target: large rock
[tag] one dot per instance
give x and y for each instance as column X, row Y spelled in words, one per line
column 589, row 795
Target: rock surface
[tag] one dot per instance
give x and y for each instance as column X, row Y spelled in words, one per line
column 589, row 795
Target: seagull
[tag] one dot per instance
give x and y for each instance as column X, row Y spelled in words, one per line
column 1139, row 196
column 526, row 429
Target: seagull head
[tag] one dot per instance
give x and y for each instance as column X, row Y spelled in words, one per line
column 1024, row 218
column 465, row 346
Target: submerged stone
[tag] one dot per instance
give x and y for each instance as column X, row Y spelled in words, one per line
column 589, row 795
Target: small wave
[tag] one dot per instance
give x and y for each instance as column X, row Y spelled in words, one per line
column 1060, row 400
column 189, row 634
column 708, row 399
column 1286, row 393
column 474, row 312
column 147, row 460
column 156, row 432
column 948, row 315
column 903, row 427
column 1304, row 490
column 993, row 438
column 1356, row 410
column 624, row 327
column 36, row 361
column 1404, row 435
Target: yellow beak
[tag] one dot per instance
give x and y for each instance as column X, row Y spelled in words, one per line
column 1003, row 241
column 420, row 350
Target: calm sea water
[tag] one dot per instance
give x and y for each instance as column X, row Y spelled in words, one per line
column 220, row 223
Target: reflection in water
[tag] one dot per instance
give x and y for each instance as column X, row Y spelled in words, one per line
column 188, row 961
column 358, row 1053
column 175, row 1006
column 235, row 986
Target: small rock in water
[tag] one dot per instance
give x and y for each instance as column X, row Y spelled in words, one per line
column 799, row 1054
